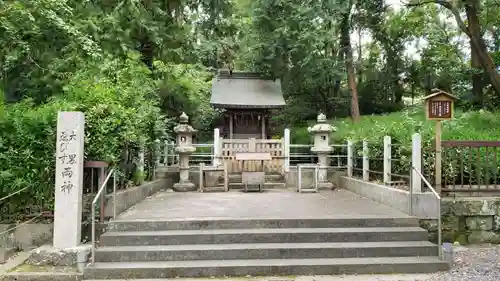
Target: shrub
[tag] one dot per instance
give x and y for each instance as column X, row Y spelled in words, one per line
column 400, row 126
column 121, row 110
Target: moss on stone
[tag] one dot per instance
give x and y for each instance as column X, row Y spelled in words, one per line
column 40, row 268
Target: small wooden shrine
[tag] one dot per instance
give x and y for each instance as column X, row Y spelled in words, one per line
column 248, row 100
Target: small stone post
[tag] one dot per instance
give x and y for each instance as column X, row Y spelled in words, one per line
column 69, row 180
column 216, row 160
column 165, row 153
column 185, row 149
column 286, row 150
column 366, row 162
column 387, row 159
column 416, row 162
column 139, row 173
column 321, row 132
column 350, row 158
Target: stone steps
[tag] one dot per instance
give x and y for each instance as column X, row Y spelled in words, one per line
column 260, row 267
column 263, row 235
column 197, row 224
column 259, row 247
column 265, row 251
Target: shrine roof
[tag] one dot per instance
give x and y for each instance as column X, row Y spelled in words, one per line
column 245, row 90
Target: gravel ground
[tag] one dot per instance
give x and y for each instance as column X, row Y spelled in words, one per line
column 472, row 263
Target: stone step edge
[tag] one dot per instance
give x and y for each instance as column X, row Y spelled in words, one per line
column 264, row 267
column 404, row 219
column 266, row 246
column 264, row 231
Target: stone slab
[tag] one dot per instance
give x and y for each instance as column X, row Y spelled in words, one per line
column 127, row 198
column 425, row 205
column 271, row 204
column 25, row 236
column 48, row 255
column 362, row 277
column 42, row 276
column 6, row 253
column 266, row 251
column 266, row 267
column 13, row 262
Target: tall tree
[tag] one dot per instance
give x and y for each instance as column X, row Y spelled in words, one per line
column 473, row 29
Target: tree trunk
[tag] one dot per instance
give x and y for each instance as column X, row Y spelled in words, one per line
column 360, row 58
column 478, row 44
column 477, row 87
column 351, row 75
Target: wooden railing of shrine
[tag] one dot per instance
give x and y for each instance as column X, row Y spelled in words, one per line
column 229, row 147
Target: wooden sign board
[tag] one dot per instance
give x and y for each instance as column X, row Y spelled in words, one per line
column 253, row 156
column 439, row 105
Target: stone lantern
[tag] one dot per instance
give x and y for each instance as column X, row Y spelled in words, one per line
column 321, row 132
column 185, row 148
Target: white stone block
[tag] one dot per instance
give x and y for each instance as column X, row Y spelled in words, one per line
column 69, row 179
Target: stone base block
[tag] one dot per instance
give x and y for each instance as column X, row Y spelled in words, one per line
column 325, row 185
column 483, row 236
column 184, row 187
column 42, row 276
column 48, row 255
column 6, row 253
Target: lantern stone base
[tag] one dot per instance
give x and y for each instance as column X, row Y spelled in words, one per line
column 325, row 185
column 185, row 186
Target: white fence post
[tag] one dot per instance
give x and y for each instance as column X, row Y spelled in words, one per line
column 216, row 150
column 366, row 162
column 175, row 159
column 157, row 155
column 286, row 150
column 416, row 162
column 387, row 159
column 165, row 153
column 350, row 158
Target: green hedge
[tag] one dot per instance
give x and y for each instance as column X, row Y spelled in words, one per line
column 121, row 109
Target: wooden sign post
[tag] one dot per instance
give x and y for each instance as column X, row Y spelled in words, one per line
column 439, row 107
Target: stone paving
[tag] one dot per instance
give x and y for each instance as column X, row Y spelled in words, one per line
column 269, row 204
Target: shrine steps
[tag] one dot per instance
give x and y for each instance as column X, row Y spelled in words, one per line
column 259, row 247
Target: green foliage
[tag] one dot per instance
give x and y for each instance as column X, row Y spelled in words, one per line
column 185, row 87
column 478, row 165
column 121, row 110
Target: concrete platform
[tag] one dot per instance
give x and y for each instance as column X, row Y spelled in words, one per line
column 279, row 204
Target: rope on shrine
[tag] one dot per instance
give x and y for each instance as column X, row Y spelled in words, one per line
column 14, row 193
column 26, row 222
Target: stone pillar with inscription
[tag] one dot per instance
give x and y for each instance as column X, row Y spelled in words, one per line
column 321, row 132
column 69, row 179
column 185, row 148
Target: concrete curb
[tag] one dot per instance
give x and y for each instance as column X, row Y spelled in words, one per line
column 42, row 276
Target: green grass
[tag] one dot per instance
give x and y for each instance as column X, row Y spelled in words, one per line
column 478, row 164
column 475, row 125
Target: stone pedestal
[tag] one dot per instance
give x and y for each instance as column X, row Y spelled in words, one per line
column 184, row 184
column 323, row 172
column 321, row 132
column 184, row 148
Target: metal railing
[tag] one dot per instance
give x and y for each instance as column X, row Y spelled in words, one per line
column 438, row 197
column 94, row 202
